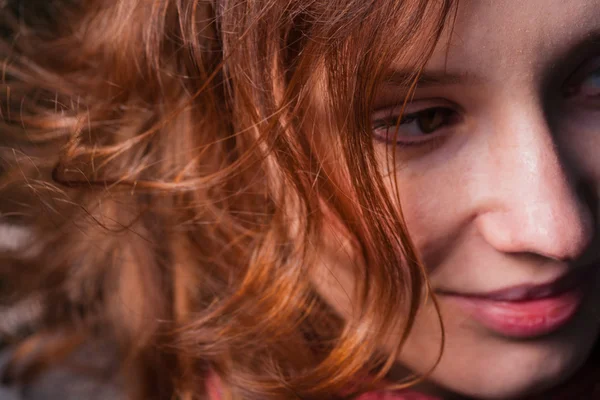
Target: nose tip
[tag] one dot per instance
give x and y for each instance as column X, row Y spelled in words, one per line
column 554, row 231
column 539, row 202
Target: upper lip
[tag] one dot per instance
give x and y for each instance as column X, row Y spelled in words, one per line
column 527, row 292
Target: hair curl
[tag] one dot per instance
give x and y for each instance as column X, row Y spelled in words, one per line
column 164, row 156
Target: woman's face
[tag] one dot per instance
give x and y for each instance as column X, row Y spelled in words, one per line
column 498, row 165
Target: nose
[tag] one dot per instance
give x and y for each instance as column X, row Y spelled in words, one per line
column 534, row 206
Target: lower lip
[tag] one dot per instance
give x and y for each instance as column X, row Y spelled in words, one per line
column 523, row 319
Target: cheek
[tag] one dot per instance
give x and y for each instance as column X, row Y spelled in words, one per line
column 579, row 139
column 437, row 192
column 435, row 211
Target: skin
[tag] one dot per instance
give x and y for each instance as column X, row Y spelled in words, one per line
column 507, row 196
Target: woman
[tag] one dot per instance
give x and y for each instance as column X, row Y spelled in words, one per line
column 307, row 199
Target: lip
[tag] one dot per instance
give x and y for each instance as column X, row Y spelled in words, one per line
column 527, row 311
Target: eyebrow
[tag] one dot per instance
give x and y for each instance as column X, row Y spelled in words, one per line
column 428, row 78
column 576, row 54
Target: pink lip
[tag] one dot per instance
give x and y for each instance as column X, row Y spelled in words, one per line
column 526, row 311
column 523, row 319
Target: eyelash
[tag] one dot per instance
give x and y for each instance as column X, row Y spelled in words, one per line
column 389, row 130
column 384, row 129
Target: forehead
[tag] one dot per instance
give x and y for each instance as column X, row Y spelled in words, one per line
column 511, row 37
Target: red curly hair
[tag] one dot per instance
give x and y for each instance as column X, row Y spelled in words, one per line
column 164, row 156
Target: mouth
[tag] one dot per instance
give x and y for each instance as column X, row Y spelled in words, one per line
column 528, row 311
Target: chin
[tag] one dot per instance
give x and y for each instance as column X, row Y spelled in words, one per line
column 515, row 373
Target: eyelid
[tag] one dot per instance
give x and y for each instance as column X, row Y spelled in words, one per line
column 414, row 106
column 583, row 72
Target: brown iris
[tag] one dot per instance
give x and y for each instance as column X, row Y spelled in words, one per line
column 429, row 120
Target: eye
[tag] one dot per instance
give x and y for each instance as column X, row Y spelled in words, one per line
column 415, row 127
column 590, row 86
column 586, row 82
